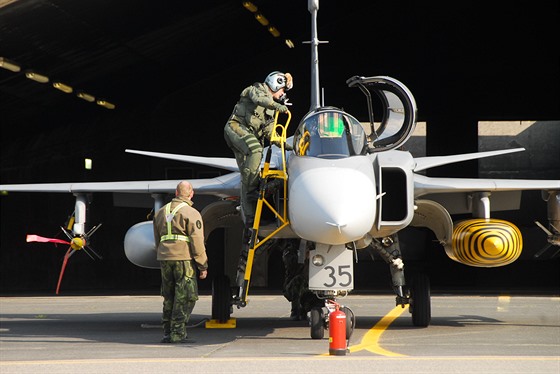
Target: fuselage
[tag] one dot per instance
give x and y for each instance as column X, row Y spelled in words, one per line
column 331, row 185
column 332, row 201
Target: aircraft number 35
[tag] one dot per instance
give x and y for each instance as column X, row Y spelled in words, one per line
column 331, row 268
column 342, row 277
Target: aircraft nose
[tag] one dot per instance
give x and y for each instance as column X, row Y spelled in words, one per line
column 332, row 205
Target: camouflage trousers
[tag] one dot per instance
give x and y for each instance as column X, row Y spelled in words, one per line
column 180, row 293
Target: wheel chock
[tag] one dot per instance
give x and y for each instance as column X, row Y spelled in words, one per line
column 215, row 324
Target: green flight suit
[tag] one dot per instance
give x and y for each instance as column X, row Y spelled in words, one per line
column 245, row 132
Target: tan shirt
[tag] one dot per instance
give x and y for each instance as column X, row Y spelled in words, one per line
column 187, row 221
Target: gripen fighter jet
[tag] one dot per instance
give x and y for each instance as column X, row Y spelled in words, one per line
column 343, row 187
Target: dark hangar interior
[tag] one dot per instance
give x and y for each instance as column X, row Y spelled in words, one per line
column 173, row 71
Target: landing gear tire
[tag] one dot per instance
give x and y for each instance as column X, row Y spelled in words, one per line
column 221, row 299
column 420, row 303
column 317, row 323
column 349, row 321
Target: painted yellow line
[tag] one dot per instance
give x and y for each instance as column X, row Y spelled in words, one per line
column 370, row 341
column 503, row 303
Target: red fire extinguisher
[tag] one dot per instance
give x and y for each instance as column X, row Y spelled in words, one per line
column 337, row 332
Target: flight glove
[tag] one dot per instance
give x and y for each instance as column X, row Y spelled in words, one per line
column 281, row 108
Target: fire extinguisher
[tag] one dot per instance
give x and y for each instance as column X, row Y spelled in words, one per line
column 337, row 332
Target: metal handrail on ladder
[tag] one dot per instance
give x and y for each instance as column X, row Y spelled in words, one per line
column 278, row 139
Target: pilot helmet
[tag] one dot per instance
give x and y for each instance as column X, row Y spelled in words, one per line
column 277, row 80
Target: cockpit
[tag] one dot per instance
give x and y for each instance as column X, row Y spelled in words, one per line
column 329, row 133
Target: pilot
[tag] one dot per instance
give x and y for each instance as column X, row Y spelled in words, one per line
column 250, row 124
column 179, row 238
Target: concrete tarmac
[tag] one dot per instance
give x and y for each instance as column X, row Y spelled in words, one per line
column 121, row 334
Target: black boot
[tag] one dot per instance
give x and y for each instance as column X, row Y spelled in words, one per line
column 297, row 313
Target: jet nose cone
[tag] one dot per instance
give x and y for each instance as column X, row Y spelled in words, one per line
column 332, row 205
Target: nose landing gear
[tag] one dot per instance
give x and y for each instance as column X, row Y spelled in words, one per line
column 319, row 319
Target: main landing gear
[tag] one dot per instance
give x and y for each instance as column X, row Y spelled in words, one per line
column 419, row 302
column 222, row 307
column 417, row 293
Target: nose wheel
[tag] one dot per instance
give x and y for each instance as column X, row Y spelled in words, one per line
column 319, row 321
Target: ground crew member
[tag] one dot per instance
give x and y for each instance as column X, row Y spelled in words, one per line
column 248, row 126
column 296, row 280
column 179, row 237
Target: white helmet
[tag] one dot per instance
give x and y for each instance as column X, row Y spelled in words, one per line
column 277, row 80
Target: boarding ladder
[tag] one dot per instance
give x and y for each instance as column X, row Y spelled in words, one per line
column 278, row 138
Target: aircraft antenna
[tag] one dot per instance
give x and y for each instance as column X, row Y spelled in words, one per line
column 313, row 6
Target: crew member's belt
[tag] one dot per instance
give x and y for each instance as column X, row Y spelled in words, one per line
column 175, row 237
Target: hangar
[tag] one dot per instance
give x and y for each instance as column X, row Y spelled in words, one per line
column 173, row 73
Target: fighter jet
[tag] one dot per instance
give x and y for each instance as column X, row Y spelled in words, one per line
column 343, row 187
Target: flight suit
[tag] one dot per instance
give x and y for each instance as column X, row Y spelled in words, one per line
column 180, row 247
column 249, row 125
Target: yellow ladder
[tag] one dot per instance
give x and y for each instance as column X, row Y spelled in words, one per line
column 278, row 137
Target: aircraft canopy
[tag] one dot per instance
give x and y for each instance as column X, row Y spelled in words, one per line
column 329, row 133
